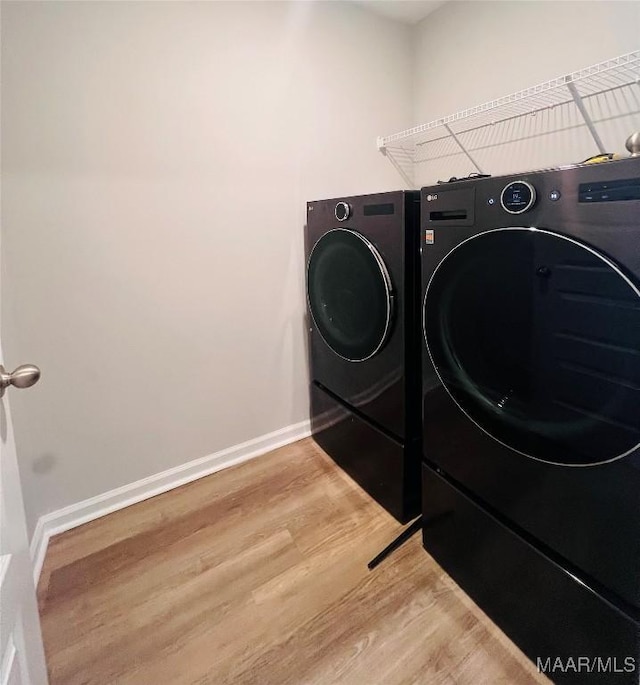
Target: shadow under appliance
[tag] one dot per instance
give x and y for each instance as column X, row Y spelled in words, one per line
column 531, row 400
column 363, row 295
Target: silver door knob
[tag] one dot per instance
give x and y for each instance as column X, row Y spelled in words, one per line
column 633, row 144
column 23, row 377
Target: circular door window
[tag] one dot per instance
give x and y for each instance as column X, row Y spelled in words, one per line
column 536, row 337
column 350, row 294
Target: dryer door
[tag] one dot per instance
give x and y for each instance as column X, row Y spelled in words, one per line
column 350, row 294
column 536, row 337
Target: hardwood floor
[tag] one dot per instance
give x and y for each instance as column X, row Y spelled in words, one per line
column 258, row 574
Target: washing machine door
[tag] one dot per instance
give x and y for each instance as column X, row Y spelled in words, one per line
column 536, row 337
column 350, row 294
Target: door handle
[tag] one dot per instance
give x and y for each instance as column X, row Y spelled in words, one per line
column 23, row 377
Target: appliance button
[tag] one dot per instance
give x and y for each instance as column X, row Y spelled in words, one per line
column 554, row 195
column 491, row 201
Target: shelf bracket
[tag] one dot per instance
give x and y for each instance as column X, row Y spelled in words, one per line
column 462, row 147
column 585, row 115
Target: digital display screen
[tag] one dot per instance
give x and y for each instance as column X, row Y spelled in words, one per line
column 516, row 197
column 610, row 191
column 378, row 210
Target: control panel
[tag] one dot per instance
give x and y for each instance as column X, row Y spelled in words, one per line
column 518, row 197
column 610, row 191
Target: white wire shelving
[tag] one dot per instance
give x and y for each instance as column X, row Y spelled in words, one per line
column 466, row 134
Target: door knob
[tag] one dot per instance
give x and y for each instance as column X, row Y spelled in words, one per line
column 23, row 377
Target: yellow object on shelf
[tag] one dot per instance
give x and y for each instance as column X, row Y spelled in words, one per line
column 602, row 157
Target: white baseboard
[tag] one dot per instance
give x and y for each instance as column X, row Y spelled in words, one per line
column 108, row 502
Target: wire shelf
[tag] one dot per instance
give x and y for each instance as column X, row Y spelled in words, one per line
column 450, row 135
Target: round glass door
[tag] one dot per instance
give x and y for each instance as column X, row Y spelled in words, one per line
column 350, row 295
column 536, row 337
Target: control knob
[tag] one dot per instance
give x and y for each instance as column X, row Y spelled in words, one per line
column 342, row 211
column 518, row 197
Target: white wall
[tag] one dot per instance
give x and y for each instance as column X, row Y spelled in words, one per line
column 467, row 53
column 156, row 161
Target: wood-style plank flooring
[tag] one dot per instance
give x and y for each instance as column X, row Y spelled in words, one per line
column 258, row 574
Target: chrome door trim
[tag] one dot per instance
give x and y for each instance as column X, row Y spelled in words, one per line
column 606, row 260
column 387, row 285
